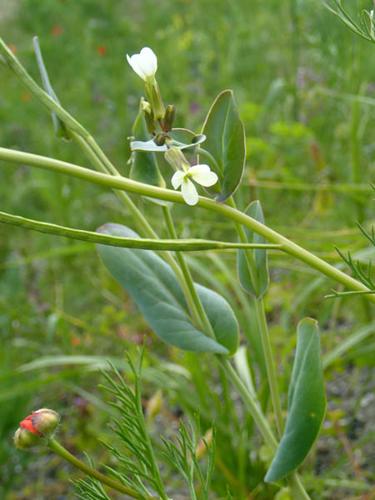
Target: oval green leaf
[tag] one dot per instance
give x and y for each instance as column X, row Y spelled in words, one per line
column 306, row 404
column 257, row 282
column 154, row 288
column 225, row 142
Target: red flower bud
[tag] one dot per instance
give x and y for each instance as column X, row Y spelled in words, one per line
column 24, row 439
column 39, row 424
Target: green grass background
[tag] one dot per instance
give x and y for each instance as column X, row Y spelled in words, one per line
column 299, row 77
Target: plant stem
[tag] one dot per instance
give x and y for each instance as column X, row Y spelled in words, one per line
column 270, row 363
column 178, row 245
column 251, row 404
column 264, row 333
column 297, row 489
column 125, row 184
column 141, row 221
column 111, row 483
column 103, row 164
column 192, row 298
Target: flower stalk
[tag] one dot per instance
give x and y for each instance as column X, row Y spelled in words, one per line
column 62, row 452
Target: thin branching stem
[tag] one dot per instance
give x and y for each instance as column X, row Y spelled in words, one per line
column 111, row 483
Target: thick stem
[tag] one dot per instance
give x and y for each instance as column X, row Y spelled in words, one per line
column 108, row 481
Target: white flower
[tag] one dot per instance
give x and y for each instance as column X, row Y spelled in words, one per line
column 144, row 64
column 201, row 174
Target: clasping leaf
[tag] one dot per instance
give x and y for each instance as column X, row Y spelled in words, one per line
column 225, row 142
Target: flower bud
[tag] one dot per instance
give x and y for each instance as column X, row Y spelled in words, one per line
column 169, row 116
column 146, row 107
column 154, row 405
column 39, row 424
column 204, row 444
column 24, row 439
column 148, row 115
column 44, row 421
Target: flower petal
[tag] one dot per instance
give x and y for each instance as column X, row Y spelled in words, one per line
column 189, row 192
column 149, row 61
column 203, row 175
column 177, row 179
column 136, row 65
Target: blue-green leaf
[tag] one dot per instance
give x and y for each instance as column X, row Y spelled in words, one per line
column 154, row 288
column 306, row 404
column 256, row 283
column 225, row 142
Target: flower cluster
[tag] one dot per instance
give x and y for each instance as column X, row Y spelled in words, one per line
column 145, row 64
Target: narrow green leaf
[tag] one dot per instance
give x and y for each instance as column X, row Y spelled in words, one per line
column 306, row 404
column 225, row 142
column 256, row 282
column 154, row 288
column 58, row 125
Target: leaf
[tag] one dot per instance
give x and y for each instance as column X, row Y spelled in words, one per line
column 151, row 146
column 186, row 137
column 225, row 142
column 58, row 125
column 258, row 284
column 306, row 404
column 154, row 288
column 147, row 146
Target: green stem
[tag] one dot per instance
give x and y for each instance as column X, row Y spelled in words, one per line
column 131, row 186
column 191, row 296
column 248, row 398
column 296, row 486
column 251, row 404
column 186, row 245
column 103, row 164
column 270, row 363
column 108, row 481
column 264, row 333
